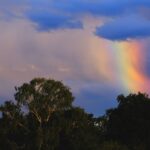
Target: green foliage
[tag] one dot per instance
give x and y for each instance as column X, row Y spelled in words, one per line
column 12, row 125
column 42, row 117
column 113, row 145
column 79, row 131
column 130, row 121
column 43, row 96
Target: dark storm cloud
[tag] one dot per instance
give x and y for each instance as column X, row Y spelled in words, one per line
column 98, row 101
column 63, row 14
column 100, row 7
column 89, row 7
column 47, row 21
column 130, row 27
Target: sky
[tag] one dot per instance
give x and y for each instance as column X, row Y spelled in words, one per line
column 99, row 48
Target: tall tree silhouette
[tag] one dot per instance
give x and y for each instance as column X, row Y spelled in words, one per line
column 43, row 118
column 129, row 123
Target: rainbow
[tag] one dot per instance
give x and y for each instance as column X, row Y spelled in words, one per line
column 120, row 65
column 130, row 66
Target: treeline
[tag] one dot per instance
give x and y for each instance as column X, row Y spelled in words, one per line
column 42, row 117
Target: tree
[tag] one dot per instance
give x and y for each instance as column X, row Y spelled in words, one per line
column 43, row 118
column 78, row 131
column 12, row 125
column 113, row 145
column 129, row 123
column 42, row 97
column 30, row 115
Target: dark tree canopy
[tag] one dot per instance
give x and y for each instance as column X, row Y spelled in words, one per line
column 130, row 121
column 44, row 96
column 42, row 117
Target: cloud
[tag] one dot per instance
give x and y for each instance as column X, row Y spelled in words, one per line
column 99, row 8
column 129, row 27
column 46, row 21
column 12, row 9
column 98, row 101
column 68, row 14
column 68, row 55
column 90, row 7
